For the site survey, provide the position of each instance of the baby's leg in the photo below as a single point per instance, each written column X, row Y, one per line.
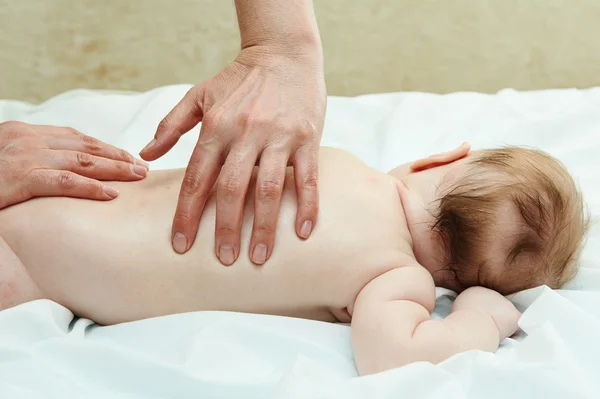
column 16, row 285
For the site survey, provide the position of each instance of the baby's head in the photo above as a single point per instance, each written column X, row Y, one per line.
column 507, row 219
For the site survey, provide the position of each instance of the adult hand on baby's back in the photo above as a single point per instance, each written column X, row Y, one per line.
column 43, row 161
column 267, row 108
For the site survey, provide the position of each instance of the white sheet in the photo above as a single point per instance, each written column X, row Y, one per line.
column 44, row 353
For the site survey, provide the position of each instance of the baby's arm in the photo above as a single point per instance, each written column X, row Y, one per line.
column 392, row 326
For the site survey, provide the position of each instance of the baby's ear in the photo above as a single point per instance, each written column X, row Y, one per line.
column 440, row 159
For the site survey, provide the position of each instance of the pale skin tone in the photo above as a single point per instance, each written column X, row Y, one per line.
column 43, row 161
column 266, row 108
column 361, row 264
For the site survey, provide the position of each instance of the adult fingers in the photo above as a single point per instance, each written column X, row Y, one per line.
column 231, row 193
column 180, row 120
column 89, row 145
column 62, row 183
column 269, row 188
column 200, row 176
column 305, row 162
column 92, row 166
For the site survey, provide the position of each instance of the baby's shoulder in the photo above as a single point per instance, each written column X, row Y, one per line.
column 338, row 163
column 329, row 154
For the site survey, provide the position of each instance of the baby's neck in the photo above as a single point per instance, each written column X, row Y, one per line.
column 418, row 193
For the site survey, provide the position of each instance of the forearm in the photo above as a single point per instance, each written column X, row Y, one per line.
column 392, row 334
column 288, row 24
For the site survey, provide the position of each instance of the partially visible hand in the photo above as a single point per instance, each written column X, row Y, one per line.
column 489, row 302
column 266, row 108
column 43, row 161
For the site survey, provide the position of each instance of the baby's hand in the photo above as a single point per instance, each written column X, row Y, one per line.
column 483, row 300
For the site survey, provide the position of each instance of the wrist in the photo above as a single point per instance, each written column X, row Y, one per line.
column 484, row 318
column 296, row 44
column 273, row 54
column 284, row 26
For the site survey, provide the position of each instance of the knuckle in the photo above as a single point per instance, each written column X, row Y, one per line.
column 310, row 181
column 14, row 149
column 94, row 187
column 250, row 120
column 269, row 190
column 262, row 228
column 284, row 126
column 12, row 135
column 245, row 119
column 73, row 131
column 237, row 156
column 225, row 230
column 85, row 160
column 90, row 143
column 182, row 219
column 211, row 120
column 36, row 179
column 305, row 130
column 166, row 129
column 66, row 180
column 13, row 129
column 12, row 125
column 278, row 149
column 194, row 94
column 121, row 168
column 164, row 125
column 192, row 183
column 229, row 189
column 124, row 155
column 208, row 144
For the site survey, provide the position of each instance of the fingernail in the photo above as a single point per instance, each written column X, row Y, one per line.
column 142, row 163
column 226, row 255
column 306, row 228
column 259, row 255
column 149, row 145
column 139, row 170
column 111, row 192
column 179, row 243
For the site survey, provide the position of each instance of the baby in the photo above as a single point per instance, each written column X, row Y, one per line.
column 505, row 219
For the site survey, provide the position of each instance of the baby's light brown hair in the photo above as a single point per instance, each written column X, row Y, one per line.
column 550, row 233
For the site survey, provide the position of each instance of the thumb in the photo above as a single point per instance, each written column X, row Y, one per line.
column 182, row 118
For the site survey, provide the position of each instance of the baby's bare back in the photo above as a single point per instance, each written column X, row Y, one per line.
column 113, row 262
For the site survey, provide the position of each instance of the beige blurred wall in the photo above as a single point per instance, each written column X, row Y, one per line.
column 49, row 46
